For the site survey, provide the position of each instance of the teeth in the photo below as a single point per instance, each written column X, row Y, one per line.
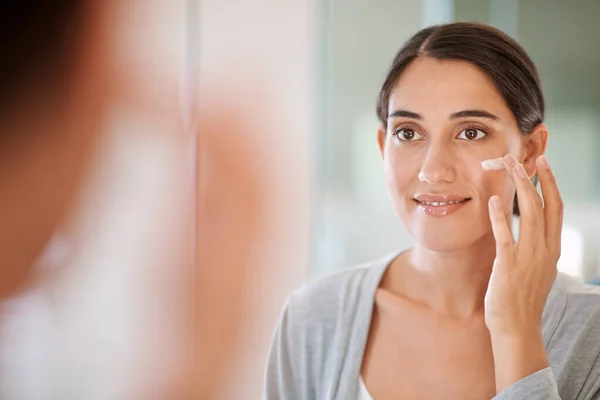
column 440, row 203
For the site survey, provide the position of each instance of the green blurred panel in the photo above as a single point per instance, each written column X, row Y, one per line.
column 470, row 10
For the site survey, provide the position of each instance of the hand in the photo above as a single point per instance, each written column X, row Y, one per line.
column 523, row 273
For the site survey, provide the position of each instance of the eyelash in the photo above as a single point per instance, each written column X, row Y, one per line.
column 399, row 129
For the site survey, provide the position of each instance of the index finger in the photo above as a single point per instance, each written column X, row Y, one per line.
column 502, row 233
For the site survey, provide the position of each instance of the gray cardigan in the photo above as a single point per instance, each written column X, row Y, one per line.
column 318, row 346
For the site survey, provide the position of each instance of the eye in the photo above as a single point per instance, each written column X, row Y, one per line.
column 472, row 134
column 407, row 135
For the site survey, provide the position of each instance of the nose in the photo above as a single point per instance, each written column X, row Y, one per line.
column 438, row 166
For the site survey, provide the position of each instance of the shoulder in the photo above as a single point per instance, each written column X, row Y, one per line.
column 326, row 299
column 342, row 289
column 581, row 300
column 574, row 305
column 577, row 314
column 339, row 301
column 573, row 346
column 316, row 326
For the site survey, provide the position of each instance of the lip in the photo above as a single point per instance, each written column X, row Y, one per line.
column 440, row 210
column 431, row 197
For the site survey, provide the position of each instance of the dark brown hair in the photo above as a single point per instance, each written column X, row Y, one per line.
column 495, row 53
column 36, row 38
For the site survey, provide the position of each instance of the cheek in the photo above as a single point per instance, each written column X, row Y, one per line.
column 401, row 169
column 496, row 183
column 476, row 153
column 488, row 183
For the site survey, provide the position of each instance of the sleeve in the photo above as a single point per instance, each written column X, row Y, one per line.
column 540, row 385
column 283, row 379
column 593, row 393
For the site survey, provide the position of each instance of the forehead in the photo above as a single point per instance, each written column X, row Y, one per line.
column 441, row 87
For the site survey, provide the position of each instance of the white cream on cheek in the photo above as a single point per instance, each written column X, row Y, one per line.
column 498, row 183
column 493, row 164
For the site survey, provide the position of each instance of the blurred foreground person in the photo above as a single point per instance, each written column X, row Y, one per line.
column 57, row 82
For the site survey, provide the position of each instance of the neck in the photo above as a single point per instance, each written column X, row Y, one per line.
column 453, row 283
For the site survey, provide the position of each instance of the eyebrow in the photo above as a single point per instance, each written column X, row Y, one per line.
column 406, row 114
column 456, row 115
column 474, row 113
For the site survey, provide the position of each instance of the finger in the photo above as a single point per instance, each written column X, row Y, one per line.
column 502, row 233
column 553, row 205
column 531, row 227
column 531, row 221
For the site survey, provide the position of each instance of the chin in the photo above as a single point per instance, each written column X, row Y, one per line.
column 446, row 236
column 443, row 244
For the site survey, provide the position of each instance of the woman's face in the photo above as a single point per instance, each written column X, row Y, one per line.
column 445, row 118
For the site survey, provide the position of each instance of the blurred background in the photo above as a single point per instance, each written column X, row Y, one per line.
column 354, row 221
column 105, row 323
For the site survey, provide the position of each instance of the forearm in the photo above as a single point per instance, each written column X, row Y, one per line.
column 517, row 356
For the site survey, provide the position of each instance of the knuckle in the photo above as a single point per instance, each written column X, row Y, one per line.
column 531, row 223
column 498, row 218
column 505, row 243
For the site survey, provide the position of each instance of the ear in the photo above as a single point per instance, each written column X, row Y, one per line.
column 381, row 133
column 535, row 146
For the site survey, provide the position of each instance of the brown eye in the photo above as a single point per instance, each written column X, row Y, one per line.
column 407, row 135
column 472, row 134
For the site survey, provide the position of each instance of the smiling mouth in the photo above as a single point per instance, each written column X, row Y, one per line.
column 441, row 203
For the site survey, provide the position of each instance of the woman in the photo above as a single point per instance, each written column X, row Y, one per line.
column 468, row 313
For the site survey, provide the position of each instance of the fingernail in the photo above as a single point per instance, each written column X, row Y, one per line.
column 543, row 162
column 510, row 160
column 495, row 200
column 521, row 171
